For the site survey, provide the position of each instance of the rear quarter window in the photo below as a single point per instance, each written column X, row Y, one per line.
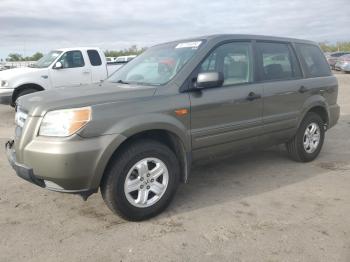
column 313, row 61
column 94, row 58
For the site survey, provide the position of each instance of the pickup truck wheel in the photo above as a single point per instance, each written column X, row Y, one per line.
column 23, row 92
column 141, row 181
column 306, row 145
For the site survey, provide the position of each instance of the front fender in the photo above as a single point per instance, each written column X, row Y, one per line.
column 23, row 82
column 40, row 78
column 126, row 128
column 153, row 121
column 128, row 118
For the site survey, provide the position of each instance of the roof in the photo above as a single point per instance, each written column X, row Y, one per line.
column 223, row 37
column 76, row 48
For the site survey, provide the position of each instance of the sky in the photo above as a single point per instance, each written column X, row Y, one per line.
column 42, row 25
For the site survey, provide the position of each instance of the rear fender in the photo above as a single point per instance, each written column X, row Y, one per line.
column 312, row 102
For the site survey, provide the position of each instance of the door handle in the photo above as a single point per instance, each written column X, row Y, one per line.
column 86, row 72
column 252, row 96
column 303, row 89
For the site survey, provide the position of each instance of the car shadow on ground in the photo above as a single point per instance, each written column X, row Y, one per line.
column 240, row 176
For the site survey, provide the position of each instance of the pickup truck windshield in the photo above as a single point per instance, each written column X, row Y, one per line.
column 47, row 59
column 157, row 65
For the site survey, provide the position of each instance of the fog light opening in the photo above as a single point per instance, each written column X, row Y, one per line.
column 52, row 185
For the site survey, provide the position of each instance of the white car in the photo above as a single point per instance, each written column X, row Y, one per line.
column 111, row 59
column 66, row 67
column 125, row 59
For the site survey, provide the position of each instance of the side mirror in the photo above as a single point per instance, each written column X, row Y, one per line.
column 209, row 80
column 58, row 65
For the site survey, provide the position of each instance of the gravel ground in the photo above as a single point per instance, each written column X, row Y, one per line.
column 259, row 206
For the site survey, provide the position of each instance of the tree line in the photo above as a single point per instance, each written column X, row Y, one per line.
column 15, row 57
column 133, row 50
column 339, row 46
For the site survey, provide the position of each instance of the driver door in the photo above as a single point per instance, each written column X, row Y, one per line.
column 229, row 115
column 75, row 72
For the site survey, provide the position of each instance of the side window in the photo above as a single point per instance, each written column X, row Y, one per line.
column 234, row 60
column 277, row 62
column 94, row 58
column 72, row 59
column 313, row 60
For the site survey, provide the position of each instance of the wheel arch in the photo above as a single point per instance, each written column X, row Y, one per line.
column 22, row 87
column 317, row 105
column 169, row 138
column 322, row 112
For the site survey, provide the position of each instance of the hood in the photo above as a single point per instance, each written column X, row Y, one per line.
column 37, row 104
column 15, row 72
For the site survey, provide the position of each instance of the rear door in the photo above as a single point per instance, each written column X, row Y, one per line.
column 233, row 112
column 281, row 79
column 75, row 71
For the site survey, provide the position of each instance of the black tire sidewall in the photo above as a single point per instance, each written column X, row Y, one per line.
column 310, row 118
column 23, row 92
column 119, row 171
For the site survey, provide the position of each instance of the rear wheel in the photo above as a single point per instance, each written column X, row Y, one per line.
column 306, row 145
column 141, row 181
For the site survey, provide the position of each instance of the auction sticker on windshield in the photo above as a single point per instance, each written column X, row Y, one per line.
column 193, row 45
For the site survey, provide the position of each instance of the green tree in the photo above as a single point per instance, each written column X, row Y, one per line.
column 133, row 50
column 36, row 56
column 14, row 57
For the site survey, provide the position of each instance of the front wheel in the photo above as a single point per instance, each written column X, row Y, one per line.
column 306, row 145
column 141, row 182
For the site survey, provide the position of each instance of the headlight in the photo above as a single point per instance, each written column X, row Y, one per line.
column 4, row 83
column 66, row 122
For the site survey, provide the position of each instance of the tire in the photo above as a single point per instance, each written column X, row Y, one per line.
column 295, row 147
column 23, row 92
column 122, row 168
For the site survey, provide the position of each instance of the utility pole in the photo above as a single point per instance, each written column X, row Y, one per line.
column 24, row 49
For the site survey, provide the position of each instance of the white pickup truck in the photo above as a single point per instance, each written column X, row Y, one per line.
column 62, row 67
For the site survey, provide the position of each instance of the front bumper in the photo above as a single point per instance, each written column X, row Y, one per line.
column 75, row 165
column 21, row 170
column 6, row 96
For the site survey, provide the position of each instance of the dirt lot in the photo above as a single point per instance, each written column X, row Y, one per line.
column 260, row 206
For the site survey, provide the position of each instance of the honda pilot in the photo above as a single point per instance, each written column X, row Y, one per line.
column 135, row 135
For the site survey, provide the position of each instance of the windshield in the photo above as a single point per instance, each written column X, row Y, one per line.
column 157, row 65
column 47, row 59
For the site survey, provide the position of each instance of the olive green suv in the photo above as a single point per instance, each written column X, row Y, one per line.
column 135, row 135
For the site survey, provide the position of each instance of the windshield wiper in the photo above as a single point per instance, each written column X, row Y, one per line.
column 122, row 82
column 144, row 84
column 136, row 83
